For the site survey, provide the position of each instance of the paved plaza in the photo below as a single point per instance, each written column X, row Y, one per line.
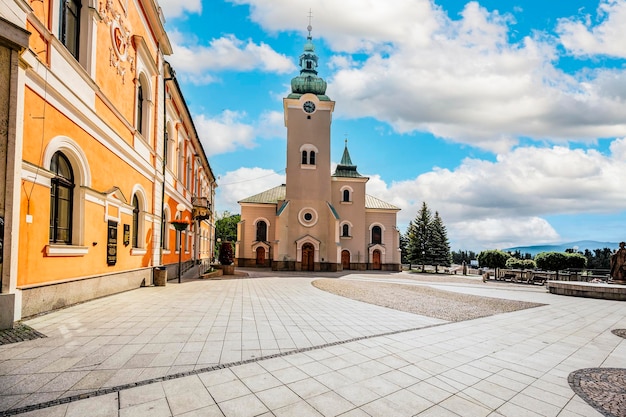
column 276, row 346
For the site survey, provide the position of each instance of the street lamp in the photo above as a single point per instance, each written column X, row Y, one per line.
column 180, row 225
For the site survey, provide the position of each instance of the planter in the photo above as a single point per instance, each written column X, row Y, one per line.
column 160, row 276
column 228, row 269
column 214, row 274
column 180, row 226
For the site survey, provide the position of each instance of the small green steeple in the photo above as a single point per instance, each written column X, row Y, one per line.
column 345, row 168
column 308, row 80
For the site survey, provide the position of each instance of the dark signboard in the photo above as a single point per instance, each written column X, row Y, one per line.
column 126, row 234
column 112, row 243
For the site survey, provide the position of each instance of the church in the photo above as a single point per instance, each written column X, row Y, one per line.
column 316, row 221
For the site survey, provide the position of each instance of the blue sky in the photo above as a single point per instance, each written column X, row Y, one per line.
column 506, row 117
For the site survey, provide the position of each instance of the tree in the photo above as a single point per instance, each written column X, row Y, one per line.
column 439, row 246
column 404, row 243
column 516, row 263
column 551, row 261
column 226, row 253
column 459, row 257
column 418, row 236
column 576, row 261
column 226, row 226
column 493, row 258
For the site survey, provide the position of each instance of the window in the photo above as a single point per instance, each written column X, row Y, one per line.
column 135, row 231
column 70, row 26
column 261, row 231
column 345, row 230
column 308, row 154
column 140, row 99
column 376, row 235
column 346, row 195
column 61, row 199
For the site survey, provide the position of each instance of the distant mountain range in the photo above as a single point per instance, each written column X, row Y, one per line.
column 581, row 245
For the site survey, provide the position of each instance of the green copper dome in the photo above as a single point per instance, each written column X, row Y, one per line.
column 308, row 81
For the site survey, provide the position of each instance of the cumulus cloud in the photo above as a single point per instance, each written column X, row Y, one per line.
column 604, row 35
column 177, row 8
column 228, row 132
column 461, row 78
column 242, row 183
column 503, row 203
column 199, row 63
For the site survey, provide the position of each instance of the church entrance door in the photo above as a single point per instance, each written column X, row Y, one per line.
column 376, row 259
column 308, row 260
column 345, row 259
column 260, row 256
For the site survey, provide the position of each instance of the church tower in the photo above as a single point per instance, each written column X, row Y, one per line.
column 310, row 217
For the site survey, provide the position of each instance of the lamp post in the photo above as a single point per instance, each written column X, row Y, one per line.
column 180, row 226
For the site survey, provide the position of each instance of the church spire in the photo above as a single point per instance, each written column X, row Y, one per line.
column 308, row 80
column 345, row 168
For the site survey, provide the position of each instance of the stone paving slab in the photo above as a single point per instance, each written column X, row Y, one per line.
column 179, row 329
column 513, row 364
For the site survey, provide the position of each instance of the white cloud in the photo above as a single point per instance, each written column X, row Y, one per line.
column 177, row 8
column 228, row 132
column 460, row 78
column 200, row 62
column 605, row 35
column 225, row 133
column 242, row 183
column 504, row 203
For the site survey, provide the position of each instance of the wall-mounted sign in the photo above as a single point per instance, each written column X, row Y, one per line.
column 126, row 234
column 112, row 243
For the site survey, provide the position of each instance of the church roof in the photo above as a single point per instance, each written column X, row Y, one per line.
column 276, row 194
column 376, row 203
column 271, row 196
column 346, row 168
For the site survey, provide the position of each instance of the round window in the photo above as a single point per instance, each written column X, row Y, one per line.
column 307, row 217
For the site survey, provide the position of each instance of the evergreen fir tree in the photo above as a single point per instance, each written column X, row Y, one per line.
column 418, row 235
column 439, row 244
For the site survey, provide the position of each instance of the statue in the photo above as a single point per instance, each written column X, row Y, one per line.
column 618, row 261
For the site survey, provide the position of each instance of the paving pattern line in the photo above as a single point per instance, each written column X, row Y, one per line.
column 118, row 388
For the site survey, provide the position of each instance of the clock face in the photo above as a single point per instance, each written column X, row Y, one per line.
column 308, row 106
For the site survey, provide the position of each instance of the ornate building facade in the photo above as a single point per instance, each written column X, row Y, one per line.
column 316, row 221
column 102, row 154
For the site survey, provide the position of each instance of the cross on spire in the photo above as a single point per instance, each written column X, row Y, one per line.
column 310, row 28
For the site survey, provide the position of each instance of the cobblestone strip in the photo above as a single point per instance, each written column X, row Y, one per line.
column 19, row 333
column 105, row 391
column 602, row 388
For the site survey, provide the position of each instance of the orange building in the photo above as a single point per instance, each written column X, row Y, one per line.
column 104, row 154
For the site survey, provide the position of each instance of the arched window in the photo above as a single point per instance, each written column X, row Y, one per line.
column 304, row 158
column 346, row 195
column 140, row 99
column 135, row 231
column 261, row 231
column 70, row 26
column 312, row 157
column 345, row 230
column 61, row 199
column 376, row 235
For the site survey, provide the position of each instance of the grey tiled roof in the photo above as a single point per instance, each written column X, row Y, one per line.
column 276, row 194
column 375, row 203
column 271, row 196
